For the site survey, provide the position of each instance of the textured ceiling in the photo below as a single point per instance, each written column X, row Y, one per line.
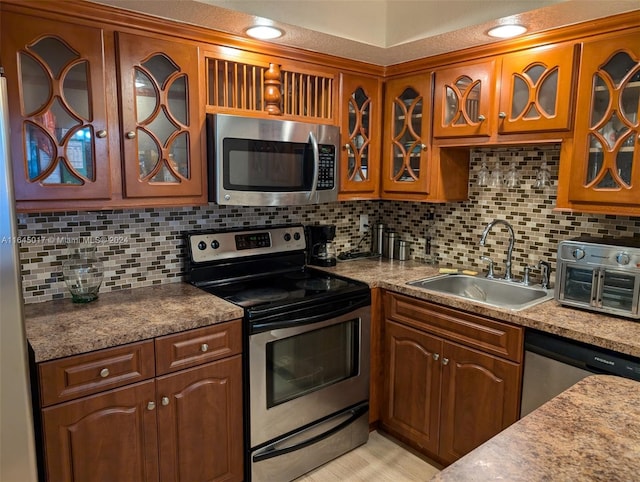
column 382, row 32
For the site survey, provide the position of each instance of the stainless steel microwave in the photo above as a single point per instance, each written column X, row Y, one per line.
column 271, row 162
column 600, row 274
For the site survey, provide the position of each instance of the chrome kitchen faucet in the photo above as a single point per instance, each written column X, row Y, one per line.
column 507, row 276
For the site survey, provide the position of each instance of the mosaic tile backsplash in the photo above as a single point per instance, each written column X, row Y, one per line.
column 144, row 247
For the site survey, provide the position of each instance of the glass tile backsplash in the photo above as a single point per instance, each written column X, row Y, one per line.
column 144, row 247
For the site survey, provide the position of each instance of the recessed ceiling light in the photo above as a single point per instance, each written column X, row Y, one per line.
column 264, row 32
column 507, row 31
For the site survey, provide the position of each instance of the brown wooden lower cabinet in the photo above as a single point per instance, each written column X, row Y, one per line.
column 442, row 397
column 184, row 426
column 200, row 424
column 106, row 437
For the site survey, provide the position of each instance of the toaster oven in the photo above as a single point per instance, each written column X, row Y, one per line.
column 600, row 274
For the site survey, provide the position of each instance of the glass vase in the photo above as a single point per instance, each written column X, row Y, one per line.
column 83, row 273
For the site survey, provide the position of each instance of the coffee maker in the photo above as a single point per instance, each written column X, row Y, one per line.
column 321, row 250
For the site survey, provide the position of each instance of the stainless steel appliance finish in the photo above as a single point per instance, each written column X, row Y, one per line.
column 306, row 346
column 332, row 374
column 17, row 445
column 600, row 274
column 271, row 162
column 553, row 364
column 328, row 439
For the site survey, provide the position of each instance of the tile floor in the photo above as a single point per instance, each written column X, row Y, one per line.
column 381, row 459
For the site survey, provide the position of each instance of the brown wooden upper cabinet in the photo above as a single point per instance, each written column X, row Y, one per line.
column 407, row 131
column 161, row 118
column 603, row 174
column 361, row 124
column 522, row 92
column 57, row 102
column 64, row 98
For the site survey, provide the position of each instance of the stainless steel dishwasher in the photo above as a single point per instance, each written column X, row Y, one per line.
column 552, row 364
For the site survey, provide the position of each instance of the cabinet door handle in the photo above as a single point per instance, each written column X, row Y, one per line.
column 502, row 115
column 436, row 356
column 104, row 373
column 164, row 401
column 130, row 135
column 445, row 361
column 482, row 118
column 204, row 347
column 151, row 405
column 101, row 134
column 347, row 147
column 423, row 146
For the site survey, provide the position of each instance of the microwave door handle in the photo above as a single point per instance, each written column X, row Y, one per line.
column 316, row 165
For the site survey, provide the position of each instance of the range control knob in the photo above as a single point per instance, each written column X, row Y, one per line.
column 623, row 258
column 287, row 237
column 215, row 244
column 578, row 253
column 202, row 245
column 296, row 236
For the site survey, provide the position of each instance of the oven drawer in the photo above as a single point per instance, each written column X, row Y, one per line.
column 195, row 347
column 80, row 375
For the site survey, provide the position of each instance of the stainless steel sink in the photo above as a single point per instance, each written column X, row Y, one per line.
column 492, row 292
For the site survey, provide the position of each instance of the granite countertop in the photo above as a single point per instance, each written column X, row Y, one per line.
column 589, row 432
column 615, row 333
column 61, row 328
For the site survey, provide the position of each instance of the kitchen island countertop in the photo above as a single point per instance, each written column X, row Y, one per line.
column 589, row 432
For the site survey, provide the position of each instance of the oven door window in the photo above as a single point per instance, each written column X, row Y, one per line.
column 255, row 165
column 310, row 361
column 618, row 290
column 578, row 284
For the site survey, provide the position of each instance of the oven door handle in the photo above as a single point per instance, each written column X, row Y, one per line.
column 291, row 444
column 291, row 320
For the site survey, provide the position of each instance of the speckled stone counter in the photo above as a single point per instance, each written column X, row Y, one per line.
column 589, row 432
column 61, row 328
column 610, row 332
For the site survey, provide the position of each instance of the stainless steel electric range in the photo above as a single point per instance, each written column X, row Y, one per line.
column 306, row 346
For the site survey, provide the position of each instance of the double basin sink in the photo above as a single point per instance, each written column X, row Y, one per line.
column 492, row 292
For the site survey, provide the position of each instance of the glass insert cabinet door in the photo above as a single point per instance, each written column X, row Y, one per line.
column 361, row 121
column 607, row 134
column 537, row 89
column 160, row 117
column 463, row 99
column 56, row 87
column 407, row 135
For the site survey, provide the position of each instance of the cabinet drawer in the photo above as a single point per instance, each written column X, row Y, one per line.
column 490, row 336
column 81, row 375
column 194, row 347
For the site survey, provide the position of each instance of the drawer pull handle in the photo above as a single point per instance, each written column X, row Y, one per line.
column 436, row 356
column 204, row 347
column 164, row 401
column 445, row 361
column 104, row 373
column 151, row 405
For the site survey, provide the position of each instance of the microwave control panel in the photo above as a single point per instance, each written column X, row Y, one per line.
column 327, row 166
